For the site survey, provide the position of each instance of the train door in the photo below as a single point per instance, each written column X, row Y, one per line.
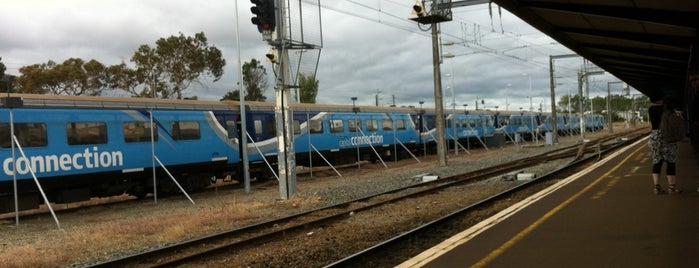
column 231, row 121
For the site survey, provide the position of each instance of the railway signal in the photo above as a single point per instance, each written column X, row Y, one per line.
column 264, row 15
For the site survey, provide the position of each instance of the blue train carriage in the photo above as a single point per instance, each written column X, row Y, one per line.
column 82, row 147
column 469, row 125
column 547, row 124
column 344, row 133
column 461, row 125
column 574, row 124
column 329, row 132
column 595, row 122
column 502, row 119
column 524, row 124
column 425, row 123
column 566, row 127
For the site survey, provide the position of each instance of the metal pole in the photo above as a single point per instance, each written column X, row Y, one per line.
column 152, row 146
column 554, row 120
column 356, row 130
column 609, row 111
column 420, row 126
column 14, row 164
column 243, row 123
column 553, row 93
column 282, row 112
column 453, row 107
column 531, row 111
column 582, row 107
column 438, row 106
column 581, row 76
column 609, row 105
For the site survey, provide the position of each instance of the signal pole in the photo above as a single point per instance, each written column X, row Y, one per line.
column 290, row 35
column 286, row 157
column 269, row 14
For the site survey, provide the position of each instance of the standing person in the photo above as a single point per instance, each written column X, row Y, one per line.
column 660, row 150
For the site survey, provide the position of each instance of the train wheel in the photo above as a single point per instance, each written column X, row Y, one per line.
column 138, row 191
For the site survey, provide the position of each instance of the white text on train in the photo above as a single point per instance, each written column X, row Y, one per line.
column 89, row 159
column 362, row 140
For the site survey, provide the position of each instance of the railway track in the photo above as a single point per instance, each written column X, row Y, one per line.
column 203, row 249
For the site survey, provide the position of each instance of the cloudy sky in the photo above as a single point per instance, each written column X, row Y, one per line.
column 369, row 48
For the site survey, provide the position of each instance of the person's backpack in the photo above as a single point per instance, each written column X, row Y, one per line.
column 672, row 126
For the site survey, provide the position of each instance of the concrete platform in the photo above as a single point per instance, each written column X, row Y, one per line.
column 605, row 216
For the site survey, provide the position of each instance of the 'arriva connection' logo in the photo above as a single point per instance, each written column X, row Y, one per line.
column 88, row 159
column 362, row 140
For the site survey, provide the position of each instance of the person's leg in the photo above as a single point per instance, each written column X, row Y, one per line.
column 671, row 180
column 656, row 177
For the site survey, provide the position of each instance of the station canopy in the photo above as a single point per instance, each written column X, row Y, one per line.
column 649, row 44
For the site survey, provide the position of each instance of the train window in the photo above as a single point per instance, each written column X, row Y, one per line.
column 185, row 130
column 353, row 125
column 387, row 124
column 429, row 123
column 315, row 126
column 28, row 134
column 472, row 123
column 336, row 126
column 231, row 129
column 258, row 127
column 138, row 131
column 372, row 125
column 271, row 127
column 297, row 127
column 400, row 124
column 464, row 122
column 86, row 133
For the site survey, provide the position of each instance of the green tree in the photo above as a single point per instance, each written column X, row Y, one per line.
column 254, row 81
column 175, row 63
column 5, row 84
column 232, row 95
column 72, row 77
column 122, row 77
column 308, row 86
column 573, row 100
column 35, row 78
column 2, row 68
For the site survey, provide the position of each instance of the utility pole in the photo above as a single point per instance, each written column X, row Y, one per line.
column 439, row 11
column 553, row 93
column 376, row 97
column 581, row 78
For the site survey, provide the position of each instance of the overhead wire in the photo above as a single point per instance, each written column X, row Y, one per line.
column 477, row 46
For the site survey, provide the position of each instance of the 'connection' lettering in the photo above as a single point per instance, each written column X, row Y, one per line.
column 362, row 140
column 88, row 159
